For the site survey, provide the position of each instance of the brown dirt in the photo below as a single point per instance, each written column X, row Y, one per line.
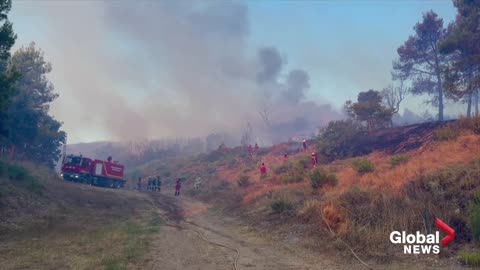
column 180, row 247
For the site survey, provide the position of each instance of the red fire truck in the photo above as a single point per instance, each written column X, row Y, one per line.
column 93, row 171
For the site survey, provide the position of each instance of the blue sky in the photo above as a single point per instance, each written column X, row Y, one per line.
column 345, row 46
column 312, row 32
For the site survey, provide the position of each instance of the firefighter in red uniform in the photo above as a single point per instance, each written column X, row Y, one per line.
column 314, row 160
column 263, row 170
column 256, row 148
column 285, row 157
column 178, row 186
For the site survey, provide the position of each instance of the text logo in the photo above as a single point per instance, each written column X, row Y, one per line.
column 420, row 243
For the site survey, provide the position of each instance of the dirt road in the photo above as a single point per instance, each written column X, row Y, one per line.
column 181, row 247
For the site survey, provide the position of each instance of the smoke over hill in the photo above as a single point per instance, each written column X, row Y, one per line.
column 181, row 69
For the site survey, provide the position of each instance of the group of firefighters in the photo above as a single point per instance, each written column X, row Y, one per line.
column 253, row 151
column 154, row 183
column 263, row 167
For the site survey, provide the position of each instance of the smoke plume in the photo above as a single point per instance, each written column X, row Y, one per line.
column 156, row 69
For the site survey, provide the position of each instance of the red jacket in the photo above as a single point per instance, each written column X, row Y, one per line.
column 314, row 159
column 263, row 169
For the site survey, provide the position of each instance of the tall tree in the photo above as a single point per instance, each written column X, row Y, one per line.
column 421, row 62
column 370, row 110
column 7, row 40
column 463, row 45
column 393, row 95
column 32, row 130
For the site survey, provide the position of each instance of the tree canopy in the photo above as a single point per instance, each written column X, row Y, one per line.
column 35, row 134
column 421, row 62
column 462, row 44
column 369, row 109
column 7, row 40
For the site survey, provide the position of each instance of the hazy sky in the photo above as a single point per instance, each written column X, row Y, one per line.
column 148, row 69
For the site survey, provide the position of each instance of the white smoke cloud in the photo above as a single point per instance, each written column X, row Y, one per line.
column 155, row 69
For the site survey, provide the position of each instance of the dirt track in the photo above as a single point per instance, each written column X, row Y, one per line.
column 182, row 248
column 178, row 246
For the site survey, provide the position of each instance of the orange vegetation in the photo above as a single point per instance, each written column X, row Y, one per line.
column 430, row 157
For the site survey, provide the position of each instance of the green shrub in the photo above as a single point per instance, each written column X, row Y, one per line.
column 321, row 177
column 291, row 178
column 281, row 206
column 446, row 133
column 243, row 181
column 472, row 124
column 363, row 166
column 282, row 169
column 398, row 159
column 295, row 172
column 474, row 217
column 471, row 258
column 17, row 173
column 304, row 162
column 343, row 139
column 20, row 175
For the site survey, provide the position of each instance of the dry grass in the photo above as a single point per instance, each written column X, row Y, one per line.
column 85, row 246
column 426, row 159
column 363, row 208
column 72, row 226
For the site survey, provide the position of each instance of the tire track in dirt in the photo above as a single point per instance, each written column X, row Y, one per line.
column 255, row 251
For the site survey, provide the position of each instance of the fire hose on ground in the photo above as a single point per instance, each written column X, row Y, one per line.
column 202, row 237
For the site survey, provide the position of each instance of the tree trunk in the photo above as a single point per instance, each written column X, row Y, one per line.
column 469, row 105
column 440, row 96
column 476, row 101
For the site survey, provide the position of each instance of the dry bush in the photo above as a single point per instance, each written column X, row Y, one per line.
column 290, row 172
column 446, row 133
column 243, row 181
column 311, row 212
column 427, row 159
column 472, row 124
column 325, row 216
column 373, row 214
column 334, row 219
column 320, row 178
column 399, row 159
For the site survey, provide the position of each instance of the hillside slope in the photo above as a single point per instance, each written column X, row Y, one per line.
column 413, row 174
column 47, row 223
